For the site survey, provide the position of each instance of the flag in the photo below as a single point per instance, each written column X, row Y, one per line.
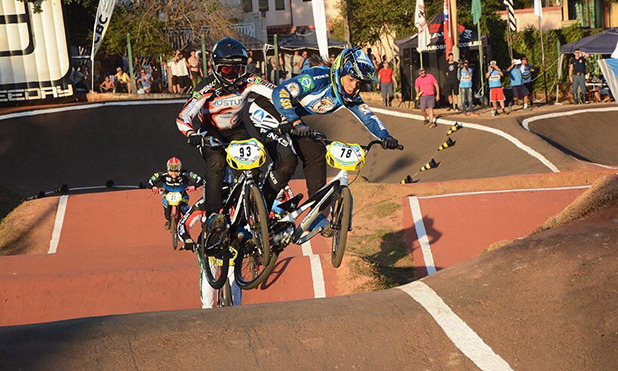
column 476, row 11
column 104, row 15
column 421, row 24
column 448, row 34
column 609, row 68
column 538, row 8
column 511, row 13
column 319, row 18
column 615, row 53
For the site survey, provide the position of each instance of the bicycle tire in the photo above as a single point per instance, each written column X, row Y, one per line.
column 341, row 220
column 215, row 275
column 174, row 231
column 224, row 298
column 250, row 271
column 258, row 221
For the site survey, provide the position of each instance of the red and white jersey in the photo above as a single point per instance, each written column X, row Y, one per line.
column 216, row 106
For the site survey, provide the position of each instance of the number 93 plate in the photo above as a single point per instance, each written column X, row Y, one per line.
column 245, row 154
column 345, row 156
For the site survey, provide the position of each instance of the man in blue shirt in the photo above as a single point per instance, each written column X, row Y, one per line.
column 464, row 74
column 577, row 75
column 526, row 73
column 517, row 84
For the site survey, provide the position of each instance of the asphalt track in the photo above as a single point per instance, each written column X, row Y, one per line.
column 113, row 258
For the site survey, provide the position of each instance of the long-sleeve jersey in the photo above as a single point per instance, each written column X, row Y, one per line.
column 179, row 184
column 311, row 93
column 216, row 106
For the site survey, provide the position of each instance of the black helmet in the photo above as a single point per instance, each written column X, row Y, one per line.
column 229, row 61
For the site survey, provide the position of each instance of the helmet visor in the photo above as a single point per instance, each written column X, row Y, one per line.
column 231, row 72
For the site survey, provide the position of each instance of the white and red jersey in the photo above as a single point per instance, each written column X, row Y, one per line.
column 216, row 106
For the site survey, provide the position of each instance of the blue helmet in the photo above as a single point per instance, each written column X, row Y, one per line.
column 355, row 63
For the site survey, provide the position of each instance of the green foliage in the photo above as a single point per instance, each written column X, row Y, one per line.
column 372, row 18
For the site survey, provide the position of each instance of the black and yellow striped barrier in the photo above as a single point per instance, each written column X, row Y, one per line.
column 454, row 128
column 430, row 165
column 449, row 143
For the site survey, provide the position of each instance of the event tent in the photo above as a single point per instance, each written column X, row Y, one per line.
column 601, row 43
column 306, row 39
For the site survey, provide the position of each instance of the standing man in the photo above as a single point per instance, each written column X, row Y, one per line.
column 577, row 75
column 452, row 84
column 517, row 84
column 297, row 63
column 428, row 87
column 464, row 74
column 386, row 76
column 496, row 94
column 306, row 63
column 526, row 74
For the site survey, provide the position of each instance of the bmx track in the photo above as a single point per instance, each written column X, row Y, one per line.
column 100, row 287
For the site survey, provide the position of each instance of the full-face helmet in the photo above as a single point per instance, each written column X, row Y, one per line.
column 174, row 164
column 354, row 63
column 229, row 61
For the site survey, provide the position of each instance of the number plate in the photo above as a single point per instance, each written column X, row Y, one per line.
column 173, row 198
column 246, row 154
column 345, row 156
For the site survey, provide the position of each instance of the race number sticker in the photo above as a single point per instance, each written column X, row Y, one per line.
column 246, row 154
column 345, row 156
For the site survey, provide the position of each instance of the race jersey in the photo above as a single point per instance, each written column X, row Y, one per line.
column 516, row 78
column 494, row 79
column 311, row 93
column 214, row 105
column 526, row 74
column 465, row 78
column 179, row 184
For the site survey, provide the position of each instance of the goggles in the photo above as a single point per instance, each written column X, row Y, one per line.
column 231, row 71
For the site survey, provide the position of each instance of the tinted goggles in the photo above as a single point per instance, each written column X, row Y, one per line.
column 231, row 71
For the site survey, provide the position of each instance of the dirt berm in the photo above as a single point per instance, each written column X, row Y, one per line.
column 546, row 302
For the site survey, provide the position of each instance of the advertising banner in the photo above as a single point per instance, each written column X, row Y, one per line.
column 104, row 15
column 34, row 58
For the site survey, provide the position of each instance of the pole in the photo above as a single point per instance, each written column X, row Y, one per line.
column 558, row 74
column 454, row 29
column 131, row 74
column 420, row 55
column 481, row 61
column 508, row 31
column 204, row 61
column 543, row 61
column 92, row 75
column 276, row 60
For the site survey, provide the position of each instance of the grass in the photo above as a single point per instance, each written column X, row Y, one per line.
column 386, row 209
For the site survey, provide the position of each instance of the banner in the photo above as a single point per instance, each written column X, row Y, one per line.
column 511, row 13
column 538, row 8
column 448, row 29
column 101, row 22
column 421, row 24
column 319, row 19
column 34, row 57
column 476, row 12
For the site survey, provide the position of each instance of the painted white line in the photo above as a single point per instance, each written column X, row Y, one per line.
column 317, row 275
column 526, row 122
column 504, row 191
column 88, row 106
column 62, row 207
column 456, row 329
column 506, row 136
column 421, row 233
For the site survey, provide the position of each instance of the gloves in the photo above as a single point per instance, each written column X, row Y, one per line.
column 155, row 190
column 389, row 143
column 194, row 139
column 302, row 130
column 286, row 127
column 191, row 188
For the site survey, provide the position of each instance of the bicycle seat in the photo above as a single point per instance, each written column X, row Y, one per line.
column 291, row 203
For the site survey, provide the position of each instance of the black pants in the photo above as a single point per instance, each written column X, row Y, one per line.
column 312, row 153
column 214, row 158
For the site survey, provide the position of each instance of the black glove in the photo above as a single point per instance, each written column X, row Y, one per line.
column 194, row 139
column 285, row 127
column 302, row 130
column 389, row 143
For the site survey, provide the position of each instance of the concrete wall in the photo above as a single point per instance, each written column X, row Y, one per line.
column 552, row 18
column 301, row 14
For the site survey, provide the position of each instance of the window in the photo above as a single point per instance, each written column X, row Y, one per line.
column 263, row 4
column 279, row 4
column 247, row 6
column 304, row 1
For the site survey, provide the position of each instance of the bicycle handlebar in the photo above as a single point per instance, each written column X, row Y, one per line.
column 318, row 135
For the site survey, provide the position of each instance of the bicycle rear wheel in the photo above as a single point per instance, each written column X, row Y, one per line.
column 215, row 267
column 341, row 224
column 224, row 295
column 250, row 269
column 257, row 220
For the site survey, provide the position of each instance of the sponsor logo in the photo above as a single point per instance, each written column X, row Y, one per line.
column 319, row 77
column 364, row 108
column 285, row 103
column 228, row 102
column 293, row 88
column 283, row 94
column 17, row 95
column 323, row 105
column 307, row 82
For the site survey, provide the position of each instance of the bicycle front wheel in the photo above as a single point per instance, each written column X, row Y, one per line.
column 224, row 297
column 250, row 269
column 174, row 231
column 257, row 221
column 215, row 267
column 341, row 224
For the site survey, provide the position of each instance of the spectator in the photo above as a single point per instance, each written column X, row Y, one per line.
column 179, row 72
column 107, row 86
column 464, row 74
column 285, row 65
column 452, row 84
column 251, row 65
column 157, row 76
column 427, row 86
column 494, row 75
column 306, row 63
column 517, row 84
column 296, row 63
column 526, row 74
column 144, row 82
column 387, row 81
column 577, row 75
column 332, row 59
column 195, row 71
column 123, row 81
